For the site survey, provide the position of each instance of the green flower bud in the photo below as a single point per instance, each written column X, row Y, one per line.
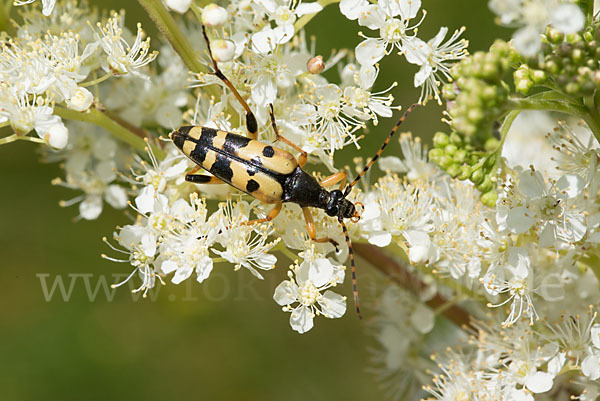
column 490, row 198
column 491, row 144
column 539, row 76
column 486, row 185
column 523, row 86
column 435, row 155
column 554, row 35
column 440, row 139
column 577, row 56
column 445, row 161
column 465, row 173
column 454, row 170
column 477, row 176
column 450, row 149
column 448, row 92
column 572, row 88
column 490, row 161
column 460, row 156
column 455, row 139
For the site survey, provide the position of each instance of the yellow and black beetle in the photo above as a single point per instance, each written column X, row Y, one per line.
column 269, row 174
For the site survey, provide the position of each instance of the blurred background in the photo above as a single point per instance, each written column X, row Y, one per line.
column 223, row 340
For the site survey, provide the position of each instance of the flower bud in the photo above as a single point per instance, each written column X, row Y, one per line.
column 477, row 176
column 81, row 100
column 489, row 198
column 214, row 15
column 440, row 139
column 315, row 65
column 180, row 6
column 223, row 50
column 57, row 136
column 454, row 170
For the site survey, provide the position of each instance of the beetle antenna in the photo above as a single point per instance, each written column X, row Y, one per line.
column 387, row 140
column 353, row 266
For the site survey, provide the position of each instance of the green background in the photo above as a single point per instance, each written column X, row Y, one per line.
column 232, row 341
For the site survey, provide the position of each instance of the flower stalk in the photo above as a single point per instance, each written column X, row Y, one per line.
column 101, row 119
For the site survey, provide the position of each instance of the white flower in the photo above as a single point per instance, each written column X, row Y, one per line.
column 180, row 6
column 81, row 100
column 222, row 50
column 514, row 278
column 551, row 208
column 400, row 210
column 284, row 14
column 362, row 103
column 188, row 250
column 123, row 58
column 415, row 162
column 303, row 295
column 533, row 16
column 435, row 59
column 390, row 17
column 214, row 15
column 141, row 246
column 245, row 245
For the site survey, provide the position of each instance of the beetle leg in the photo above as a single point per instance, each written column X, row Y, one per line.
column 200, row 178
column 303, row 155
column 310, row 226
column 203, row 179
column 270, row 216
column 334, row 178
column 251, row 123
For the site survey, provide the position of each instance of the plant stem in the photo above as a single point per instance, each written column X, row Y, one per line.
column 305, row 19
column 96, row 117
column 589, row 113
column 401, row 276
column 9, row 139
column 593, row 116
column 169, row 28
column 97, row 80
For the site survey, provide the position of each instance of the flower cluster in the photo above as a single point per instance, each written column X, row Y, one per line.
column 502, row 212
column 394, row 21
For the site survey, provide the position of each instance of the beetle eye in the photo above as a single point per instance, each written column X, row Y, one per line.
column 332, row 211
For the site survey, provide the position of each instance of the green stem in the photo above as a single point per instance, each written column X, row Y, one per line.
column 593, row 117
column 96, row 117
column 169, row 28
column 305, row 19
column 404, row 278
column 9, row 139
column 506, row 124
column 97, row 80
column 589, row 113
column 15, row 137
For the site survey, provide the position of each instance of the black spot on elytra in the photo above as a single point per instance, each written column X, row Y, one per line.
column 221, row 168
column 252, row 186
column 251, row 171
column 268, row 151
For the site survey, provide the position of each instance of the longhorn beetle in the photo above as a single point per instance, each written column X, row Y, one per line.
column 269, row 174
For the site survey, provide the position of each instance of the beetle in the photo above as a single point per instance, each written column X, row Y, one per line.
column 268, row 173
